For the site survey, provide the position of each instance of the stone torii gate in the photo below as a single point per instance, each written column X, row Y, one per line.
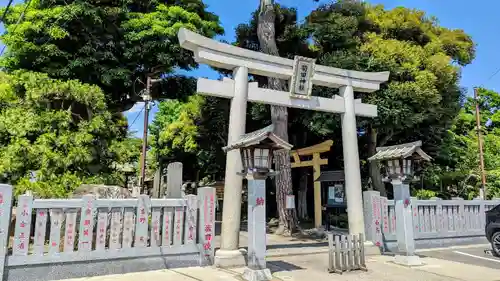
column 303, row 74
column 316, row 163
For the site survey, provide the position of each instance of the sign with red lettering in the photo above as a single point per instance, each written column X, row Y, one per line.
column 207, row 220
column 86, row 224
column 191, row 212
column 21, row 239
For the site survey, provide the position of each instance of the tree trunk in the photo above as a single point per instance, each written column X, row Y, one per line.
column 279, row 117
column 374, row 168
column 302, row 207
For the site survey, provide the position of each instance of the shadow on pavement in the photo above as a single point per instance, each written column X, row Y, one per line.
column 298, row 245
column 279, row 266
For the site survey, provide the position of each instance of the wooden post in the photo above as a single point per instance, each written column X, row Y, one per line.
column 317, row 191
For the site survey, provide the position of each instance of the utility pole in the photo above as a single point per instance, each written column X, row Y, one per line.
column 147, row 98
column 482, row 190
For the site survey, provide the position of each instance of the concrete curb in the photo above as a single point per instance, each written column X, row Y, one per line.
column 276, row 253
column 452, row 248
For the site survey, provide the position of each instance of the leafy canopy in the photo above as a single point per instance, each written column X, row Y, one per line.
column 460, row 150
column 61, row 130
column 110, row 44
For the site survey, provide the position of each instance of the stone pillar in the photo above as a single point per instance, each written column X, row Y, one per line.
column 157, row 185
column 229, row 255
column 174, row 180
column 351, row 163
column 404, row 224
column 373, row 217
column 256, row 269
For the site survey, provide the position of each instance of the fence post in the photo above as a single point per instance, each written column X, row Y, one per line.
column 385, row 215
column 206, row 199
column 415, row 216
column 5, row 213
column 482, row 213
column 373, row 217
column 461, row 216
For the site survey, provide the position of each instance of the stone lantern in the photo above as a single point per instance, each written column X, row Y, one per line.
column 400, row 161
column 257, row 150
column 398, row 166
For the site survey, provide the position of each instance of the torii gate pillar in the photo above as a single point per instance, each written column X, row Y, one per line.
column 302, row 73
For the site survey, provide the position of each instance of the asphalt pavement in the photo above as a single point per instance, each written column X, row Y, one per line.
column 474, row 255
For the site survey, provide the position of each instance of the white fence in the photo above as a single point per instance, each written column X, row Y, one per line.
column 57, row 239
column 346, row 253
column 432, row 219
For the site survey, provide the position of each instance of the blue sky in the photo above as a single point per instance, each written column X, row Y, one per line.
column 478, row 20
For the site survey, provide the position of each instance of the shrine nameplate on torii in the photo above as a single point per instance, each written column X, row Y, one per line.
column 303, row 74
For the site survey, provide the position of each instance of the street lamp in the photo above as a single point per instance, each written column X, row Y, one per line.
column 257, row 150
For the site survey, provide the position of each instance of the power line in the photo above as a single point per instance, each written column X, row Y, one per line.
column 492, row 75
column 6, row 10
column 137, row 116
column 18, row 20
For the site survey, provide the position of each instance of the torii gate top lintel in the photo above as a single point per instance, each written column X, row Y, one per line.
column 226, row 56
column 320, row 148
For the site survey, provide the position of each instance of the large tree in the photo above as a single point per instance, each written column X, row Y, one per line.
column 422, row 96
column 266, row 33
column 61, row 130
column 111, row 44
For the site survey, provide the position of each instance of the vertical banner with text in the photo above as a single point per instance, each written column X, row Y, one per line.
column 206, row 199
column 257, row 224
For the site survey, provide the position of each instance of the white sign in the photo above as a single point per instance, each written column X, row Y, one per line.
column 290, row 201
column 303, row 71
column 336, row 193
column 331, row 192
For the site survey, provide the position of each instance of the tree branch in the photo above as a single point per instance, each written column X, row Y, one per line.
column 386, row 138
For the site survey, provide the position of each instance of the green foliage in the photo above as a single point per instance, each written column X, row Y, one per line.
column 191, row 131
column 62, row 130
column 422, row 96
column 110, row 44
column 424, row 194
column 175, row 125
column 460, row 150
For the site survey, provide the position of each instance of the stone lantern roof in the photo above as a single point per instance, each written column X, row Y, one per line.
column 404, row 150
column 257, row 137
